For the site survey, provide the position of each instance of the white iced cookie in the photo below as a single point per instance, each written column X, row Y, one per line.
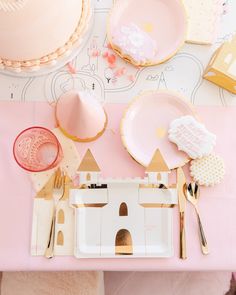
column 191, row 137
column 208, row 171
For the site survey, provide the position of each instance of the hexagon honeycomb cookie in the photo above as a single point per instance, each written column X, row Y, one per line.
column 208, row 170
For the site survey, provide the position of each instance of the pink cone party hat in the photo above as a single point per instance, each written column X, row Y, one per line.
column 80, row 116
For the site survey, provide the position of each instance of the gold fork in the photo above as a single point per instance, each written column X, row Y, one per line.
column 58, row 193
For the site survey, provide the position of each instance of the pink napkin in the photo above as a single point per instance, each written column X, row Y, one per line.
column 217, row 204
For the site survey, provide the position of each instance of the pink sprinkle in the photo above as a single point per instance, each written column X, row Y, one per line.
column 119, row 72
column 109, row 45
column 71, row 68
column 124, row 71
column 105, row 54
column 112, row 66
column 96, row 53
column 111, row 59
column 131, row 78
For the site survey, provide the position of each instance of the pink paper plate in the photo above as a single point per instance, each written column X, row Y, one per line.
column 144, row 127
column 162, row 21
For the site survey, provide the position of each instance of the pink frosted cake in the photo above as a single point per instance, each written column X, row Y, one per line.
column 35, row 33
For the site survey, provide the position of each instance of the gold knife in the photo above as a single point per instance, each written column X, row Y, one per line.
column 181, row 180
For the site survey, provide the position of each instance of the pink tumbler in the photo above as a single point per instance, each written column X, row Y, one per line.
column 37, row 149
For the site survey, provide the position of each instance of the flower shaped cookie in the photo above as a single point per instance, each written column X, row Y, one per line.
column 191, row 137
column 136, row 43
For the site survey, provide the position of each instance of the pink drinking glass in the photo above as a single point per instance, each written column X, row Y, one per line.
column 37, row 149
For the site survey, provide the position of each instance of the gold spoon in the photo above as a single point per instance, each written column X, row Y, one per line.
column 192, row 193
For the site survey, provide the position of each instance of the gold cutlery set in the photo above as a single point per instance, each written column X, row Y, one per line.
column 190, row 192
column 58, row 194
column 182, row 207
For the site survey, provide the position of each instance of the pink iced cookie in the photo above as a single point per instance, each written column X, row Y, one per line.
column 191, row 137
column 136, row 43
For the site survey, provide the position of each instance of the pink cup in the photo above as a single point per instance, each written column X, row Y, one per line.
column 37, row 149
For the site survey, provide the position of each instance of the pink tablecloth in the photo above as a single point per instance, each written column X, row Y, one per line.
column 217, row 205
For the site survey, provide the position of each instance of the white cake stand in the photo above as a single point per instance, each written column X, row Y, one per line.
column 61, row 62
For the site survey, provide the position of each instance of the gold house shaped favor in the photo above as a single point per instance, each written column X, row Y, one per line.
column 222, row 67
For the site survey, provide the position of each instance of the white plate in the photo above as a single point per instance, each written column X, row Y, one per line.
column 110, row 219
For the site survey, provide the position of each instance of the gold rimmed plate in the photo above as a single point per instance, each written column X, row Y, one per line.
column 147, row 32
column 145, row 124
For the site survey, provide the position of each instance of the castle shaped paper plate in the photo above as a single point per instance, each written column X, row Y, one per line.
column 120, row 218
column 147, row 32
